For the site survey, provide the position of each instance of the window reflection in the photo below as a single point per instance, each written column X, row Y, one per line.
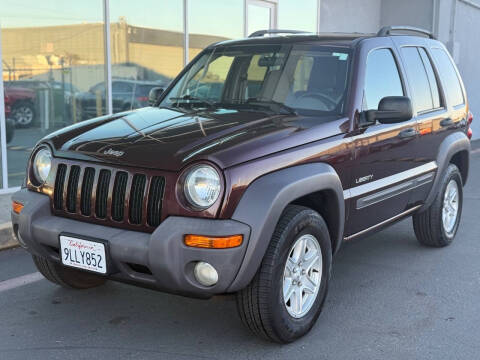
column 212, row 21
column 52, row 52
column 146, row 49
column 291, row 16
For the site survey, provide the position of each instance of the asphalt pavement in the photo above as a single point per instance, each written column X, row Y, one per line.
column 390, row 298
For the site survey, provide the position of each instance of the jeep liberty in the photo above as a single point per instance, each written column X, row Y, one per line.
column 250, row 170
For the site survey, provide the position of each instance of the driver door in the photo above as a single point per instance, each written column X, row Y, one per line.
column 384, row 153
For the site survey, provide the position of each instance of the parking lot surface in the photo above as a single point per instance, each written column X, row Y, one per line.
column 390, row 298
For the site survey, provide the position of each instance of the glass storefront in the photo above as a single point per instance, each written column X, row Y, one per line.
column 293, row 16
column 146, row 49
column 53, row 70
column 211, row 21
column 53, row 55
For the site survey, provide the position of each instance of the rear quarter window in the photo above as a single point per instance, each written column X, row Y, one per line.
column 448, row 76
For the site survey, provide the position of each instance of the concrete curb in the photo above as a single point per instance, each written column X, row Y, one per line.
column 7, row 239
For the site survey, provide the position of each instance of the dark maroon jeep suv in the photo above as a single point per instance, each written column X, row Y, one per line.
column 252, row 168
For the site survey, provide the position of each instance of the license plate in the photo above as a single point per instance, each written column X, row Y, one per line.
column 83, row 254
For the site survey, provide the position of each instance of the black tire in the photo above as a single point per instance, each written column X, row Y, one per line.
column 428, row 224
column 261, row 304
column 10, row 125
column 66, row 277
column 23, row 112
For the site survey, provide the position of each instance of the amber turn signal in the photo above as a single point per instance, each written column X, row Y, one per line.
column 17, row 207
column 211, row 242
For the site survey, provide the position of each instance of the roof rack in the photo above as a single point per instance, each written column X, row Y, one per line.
column 387, row 30
column 275, row 31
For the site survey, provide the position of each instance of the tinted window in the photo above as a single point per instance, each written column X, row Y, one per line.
column 121, row 87
column 381, row 79
column 448, row 75
column 310, row 79
column 418, row 79
column 432, row 79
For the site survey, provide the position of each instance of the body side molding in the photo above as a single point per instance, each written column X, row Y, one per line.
column 265, row 199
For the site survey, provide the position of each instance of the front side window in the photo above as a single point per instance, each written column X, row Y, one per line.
column 295, row 78
column 448, row 75
column 382, row 78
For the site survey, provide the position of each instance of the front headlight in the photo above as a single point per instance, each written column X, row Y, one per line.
column 202, row 186
column 42, row 164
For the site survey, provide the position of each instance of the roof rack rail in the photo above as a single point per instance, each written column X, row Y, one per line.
column 276, row 31
column 387, row 30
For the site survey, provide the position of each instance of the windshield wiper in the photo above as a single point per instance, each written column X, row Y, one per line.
column 194, row 99
column 274, row 105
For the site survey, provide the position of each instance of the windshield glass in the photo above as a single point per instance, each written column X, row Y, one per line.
column 303, row 79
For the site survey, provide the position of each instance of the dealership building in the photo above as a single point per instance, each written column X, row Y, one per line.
column 64, row 62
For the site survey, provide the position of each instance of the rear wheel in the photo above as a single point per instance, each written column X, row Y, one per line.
column 286, row 296
column 438, row 224
column 23, row 113
column 66, row 277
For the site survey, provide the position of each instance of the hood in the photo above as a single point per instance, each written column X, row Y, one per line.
column 169, row 139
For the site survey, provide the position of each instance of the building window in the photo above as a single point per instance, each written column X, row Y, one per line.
column 53, row 56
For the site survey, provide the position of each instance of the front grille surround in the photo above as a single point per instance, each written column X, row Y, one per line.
column 125, row 198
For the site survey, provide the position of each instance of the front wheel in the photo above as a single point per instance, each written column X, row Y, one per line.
column 437, row 225
column 286, row 296
column 66, row 277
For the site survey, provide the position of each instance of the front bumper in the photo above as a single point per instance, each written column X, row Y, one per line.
column 159, row 260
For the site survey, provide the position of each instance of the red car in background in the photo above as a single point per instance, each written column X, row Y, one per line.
column 22, row 105
column 10, row 124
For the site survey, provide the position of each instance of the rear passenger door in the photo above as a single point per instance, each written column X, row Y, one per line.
column 438, row 100
column 430, row 110
column 384, row 153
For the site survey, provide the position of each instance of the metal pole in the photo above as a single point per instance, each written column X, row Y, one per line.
column 185, row 33
column 108, row 56
column 319, row 5
column 3, row 127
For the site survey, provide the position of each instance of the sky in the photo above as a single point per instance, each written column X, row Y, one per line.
column 215, row 17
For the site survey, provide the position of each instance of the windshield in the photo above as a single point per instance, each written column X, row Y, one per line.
column 303, row 79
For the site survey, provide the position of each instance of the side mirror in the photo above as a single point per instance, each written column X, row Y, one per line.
column 154, row 95
column 391, row 110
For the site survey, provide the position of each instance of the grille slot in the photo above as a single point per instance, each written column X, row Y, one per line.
column 86, row 195
column 59, row 184
column 72, row 187
column 106, row 195
column 102, row 194
column 136, row 198
column 154, row 208
column 118, row 196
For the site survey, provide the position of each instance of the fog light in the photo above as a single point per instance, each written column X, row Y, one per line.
column 205, row 274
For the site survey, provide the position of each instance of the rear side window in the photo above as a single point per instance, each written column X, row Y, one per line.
column 421, row 79
column 448, row 75
column 381, row 79
column 432, row 79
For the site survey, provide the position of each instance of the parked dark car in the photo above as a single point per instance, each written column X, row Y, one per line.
column 22, row 102
column 126, row 95
column 254, row 166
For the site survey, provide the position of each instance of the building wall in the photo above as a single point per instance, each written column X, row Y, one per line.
column 467, row 53
column 350, row 15
column 407, row 12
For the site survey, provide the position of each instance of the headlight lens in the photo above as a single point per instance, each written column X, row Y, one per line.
column 42, row 164
column 202, row 186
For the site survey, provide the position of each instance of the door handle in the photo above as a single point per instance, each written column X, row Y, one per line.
column 446, row 122
column 408, row 133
